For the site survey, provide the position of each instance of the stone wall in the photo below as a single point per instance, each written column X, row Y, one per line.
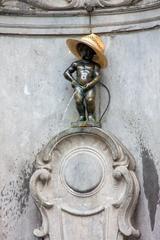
column 36, row 104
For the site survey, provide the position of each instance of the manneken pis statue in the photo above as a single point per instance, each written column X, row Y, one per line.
column 84, row 74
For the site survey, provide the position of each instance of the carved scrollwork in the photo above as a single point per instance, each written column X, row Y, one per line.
column 81, row 173
column 125, row 16
column 124, row 170
column 115, row 3
column 41, row 177
column 101, row 3
column 127, row 202
column 50, row 5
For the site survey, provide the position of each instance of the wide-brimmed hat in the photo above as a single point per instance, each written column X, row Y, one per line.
column 94, row 42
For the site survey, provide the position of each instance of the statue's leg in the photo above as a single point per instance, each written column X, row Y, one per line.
column 90, row 104
column 79, row 99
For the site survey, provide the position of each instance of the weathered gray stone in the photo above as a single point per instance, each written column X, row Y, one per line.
column 81, row 173
column 109, row 16
column 32, row 112
column 133, row 79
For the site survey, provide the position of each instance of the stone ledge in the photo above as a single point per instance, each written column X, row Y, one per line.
column 73, row 24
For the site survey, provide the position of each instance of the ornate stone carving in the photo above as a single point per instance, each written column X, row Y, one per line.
column 104, row 3
column 69, row 17
column 66, row 4
column 85, row 187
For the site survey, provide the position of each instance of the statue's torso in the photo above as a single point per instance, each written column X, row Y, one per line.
column 85, row 72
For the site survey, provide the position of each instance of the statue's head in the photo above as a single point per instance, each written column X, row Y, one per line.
column 85, row 51
column 89, row 47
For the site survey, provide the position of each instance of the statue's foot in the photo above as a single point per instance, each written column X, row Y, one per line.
column 91, row 118
column 82, row 118
column 92, row 121
column 81, row 122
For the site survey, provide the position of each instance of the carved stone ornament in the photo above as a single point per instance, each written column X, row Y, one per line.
column 65, row 4
column 85, row 187
column 69, row 17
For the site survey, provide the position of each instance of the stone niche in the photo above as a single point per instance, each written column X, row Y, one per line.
column 85, row 187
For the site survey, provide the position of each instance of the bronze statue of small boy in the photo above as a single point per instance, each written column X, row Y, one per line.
column 84, row 74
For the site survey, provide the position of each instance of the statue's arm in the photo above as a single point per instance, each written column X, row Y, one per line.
column 96, row 79
column 69, row 71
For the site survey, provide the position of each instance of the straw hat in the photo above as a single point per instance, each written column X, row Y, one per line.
column 94, row 42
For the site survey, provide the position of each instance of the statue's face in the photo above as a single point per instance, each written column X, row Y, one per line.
column 85, row 52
